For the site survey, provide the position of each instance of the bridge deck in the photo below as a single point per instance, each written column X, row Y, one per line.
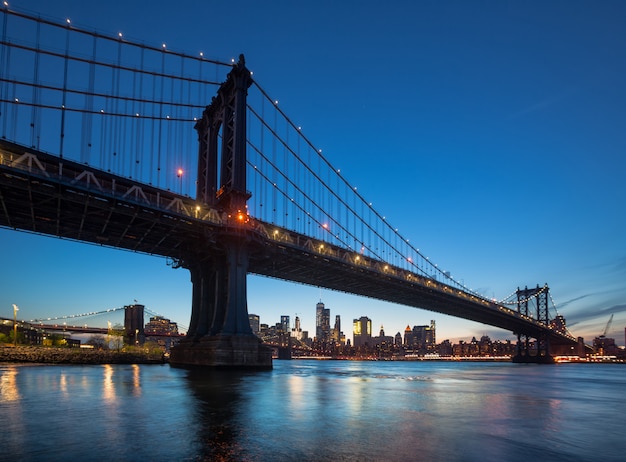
column 48, row 195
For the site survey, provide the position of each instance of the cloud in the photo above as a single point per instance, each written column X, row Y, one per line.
column 582, row 316
column 567, row 302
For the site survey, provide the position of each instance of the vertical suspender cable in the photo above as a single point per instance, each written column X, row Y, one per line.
column 171, row 144
column 153, row 131
column 187, row 151
column 274, row 176
column 261, row 162
column 134, row 125
column 115, row 86
column 34, row 122
column 286, row 167
column 124, row 150
column 65, row 62
column 140, row 124
column 4, row 97
column 159, row 141
column 85, row 154
column 178, row 134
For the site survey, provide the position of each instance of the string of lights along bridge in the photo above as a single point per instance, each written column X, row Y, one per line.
column 188, row 157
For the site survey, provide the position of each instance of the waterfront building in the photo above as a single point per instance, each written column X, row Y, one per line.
column 605, row 346
column 337, row 336
column 362, row 331
column 162, row 331
column 322, row 323
column 159, row 325
column 255, row 323
column 382, row 338
column 284, row 323
column 445, row 348
column 408, row 336
column 27, row 333
column 296, row 332
column 421, row 339
column 383, row 343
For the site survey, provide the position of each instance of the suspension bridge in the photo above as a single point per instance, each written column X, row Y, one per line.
column 139, row 147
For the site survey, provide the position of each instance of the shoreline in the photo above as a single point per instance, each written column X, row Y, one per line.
column 53, row 355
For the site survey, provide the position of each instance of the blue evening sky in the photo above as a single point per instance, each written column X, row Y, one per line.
column 491, row 133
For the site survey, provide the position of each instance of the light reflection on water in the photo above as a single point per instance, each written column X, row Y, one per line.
column 315, row 411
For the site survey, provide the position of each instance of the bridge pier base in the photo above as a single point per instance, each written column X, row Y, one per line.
column 219, row 334
column 533, row 359
column 542, row 353
column 223, row 351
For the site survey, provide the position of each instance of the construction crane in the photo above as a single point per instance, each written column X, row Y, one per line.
column 608, row 325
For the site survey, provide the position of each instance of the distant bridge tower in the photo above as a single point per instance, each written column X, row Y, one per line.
column 525, row 299
column 134, row 325
column 219, row 333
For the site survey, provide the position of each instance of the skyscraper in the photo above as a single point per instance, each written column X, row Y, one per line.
column 319, row 310
column 322, row 323
column 297, row 330
column 255, row 323
column 421, row 338
column 362, row 331
column 336, row 333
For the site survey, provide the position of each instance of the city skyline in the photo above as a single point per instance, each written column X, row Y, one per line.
column 491, row 135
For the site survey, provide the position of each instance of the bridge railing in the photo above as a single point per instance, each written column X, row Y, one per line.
column 89, row 179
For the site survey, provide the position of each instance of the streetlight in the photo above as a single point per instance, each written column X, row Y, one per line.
column 179, row 174
column 15, row 310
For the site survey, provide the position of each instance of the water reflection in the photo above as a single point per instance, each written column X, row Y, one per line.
column 217, row 422
column 63, row 385
column 108, row 387
column 306, row 410
column 136, row 380
column 8, row 385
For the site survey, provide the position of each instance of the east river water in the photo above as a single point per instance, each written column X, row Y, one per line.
column 307, row 410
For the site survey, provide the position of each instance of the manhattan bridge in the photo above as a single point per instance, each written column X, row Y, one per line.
column 138, row 147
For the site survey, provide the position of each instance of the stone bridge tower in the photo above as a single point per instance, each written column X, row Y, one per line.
column 219, row 332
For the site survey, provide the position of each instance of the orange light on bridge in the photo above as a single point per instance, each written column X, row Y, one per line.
column 179, row 172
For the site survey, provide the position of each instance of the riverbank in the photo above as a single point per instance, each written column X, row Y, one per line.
column 52, row 355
